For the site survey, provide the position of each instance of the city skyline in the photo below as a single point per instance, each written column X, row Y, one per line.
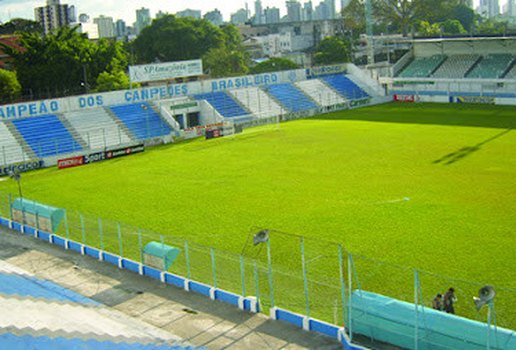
column 94, row 8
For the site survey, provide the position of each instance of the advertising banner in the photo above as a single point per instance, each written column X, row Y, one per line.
column 476, row 99
column 21, row 167
column 165, row 71
column 70, row 162
column 122, row 152
column 98, row 157
column 405, row 98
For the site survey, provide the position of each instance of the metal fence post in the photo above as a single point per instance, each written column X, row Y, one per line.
column 242, row 274
column 67, row 230
column 101, row 240
column 140, row 245
column 10, row 199
column 213, row 267
column 269, row 263
column 305, row 281
column 120, row 244
column 350, row 301
column 187, row 258
column 83, row 231
column 416, row 314
column 256, row 282
column 342, row 285
column 162, row 239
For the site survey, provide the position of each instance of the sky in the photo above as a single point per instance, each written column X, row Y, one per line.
column 125, row 9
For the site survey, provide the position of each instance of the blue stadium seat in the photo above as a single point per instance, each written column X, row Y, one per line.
column 223, row 103
column 13, row 342
column 27, row 286
column 141, row 120
column 290, row 97
column 46, row 135
column 345, row 86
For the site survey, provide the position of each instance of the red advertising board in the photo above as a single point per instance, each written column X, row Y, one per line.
column 405, row 98
column 70, row 162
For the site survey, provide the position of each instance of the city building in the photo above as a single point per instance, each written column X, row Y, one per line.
column 72, row 14
column 161, row 14
column 308, row 11
column 489, row 8
column 510, row 8
column 189, row 13
column 325, row 10
column 214, row 17
column 343, row 4
column 84, row 18
column 293, row 11
column 272, row 15
column 106, row 26
column 240, row 17
column 90, row 29
column 53, row 16
column 258, row 13
column 143, row 19
column 121, row 29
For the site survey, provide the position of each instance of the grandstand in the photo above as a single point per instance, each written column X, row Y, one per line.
column 141, row 120
column 422, row 67
column 291, row 98
column 492, row 66
column 258, row 102
column 223, row 103
column 511, row 74
column 97, row 128
column 345, row 86
column 320, row 92
column 12, row 150
column 456, row 66
column 47, row 136
column 40, row 314
column 465, row 67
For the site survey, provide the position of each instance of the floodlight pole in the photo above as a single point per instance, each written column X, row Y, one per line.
column 269, row 261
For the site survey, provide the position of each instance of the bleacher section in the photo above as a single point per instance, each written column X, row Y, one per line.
column 141, row 120
column 223, row 103
column 511, row 74
column 345, row 86
column 291, row 97
column 456, row 66
column 422, row 67
column 10, row 150
column 38, row 314
column 320, row 92
column 97, row 128
column 258, row 102
column 47, row 136
column 492, row 66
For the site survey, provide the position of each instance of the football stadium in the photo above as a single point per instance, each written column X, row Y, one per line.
column 321, row 199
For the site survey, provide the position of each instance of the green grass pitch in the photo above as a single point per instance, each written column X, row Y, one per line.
column 424, row 186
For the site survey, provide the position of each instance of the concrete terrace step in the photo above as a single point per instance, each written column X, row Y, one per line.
column 88, row 323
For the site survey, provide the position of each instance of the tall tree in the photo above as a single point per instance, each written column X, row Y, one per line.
column 171, row 38
column 61, row 63
column 274, row 65
column 20, row 25
column 332, row 50
column 401, row 13
column 10, row 87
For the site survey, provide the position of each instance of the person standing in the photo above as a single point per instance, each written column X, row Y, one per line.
column 437, row 303
column 449, row 300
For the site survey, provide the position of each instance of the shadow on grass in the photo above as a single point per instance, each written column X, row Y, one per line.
column 486, row 116
column 462, row 153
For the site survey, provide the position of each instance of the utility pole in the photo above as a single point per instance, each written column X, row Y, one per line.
column 369, row 31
